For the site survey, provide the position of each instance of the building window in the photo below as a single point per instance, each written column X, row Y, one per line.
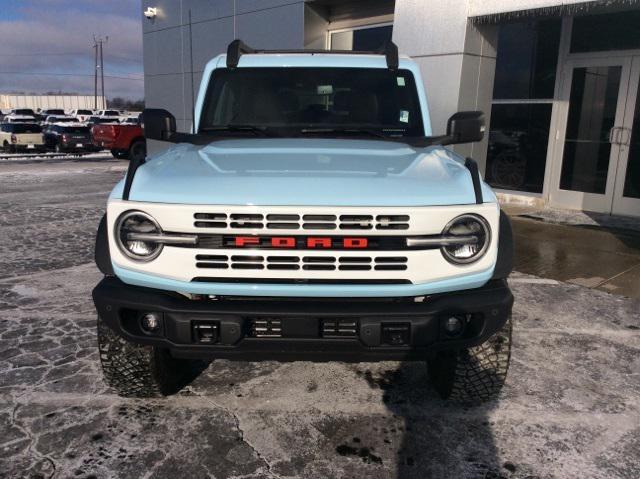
column 606, row 32
column 522, row 100
column 369, row 38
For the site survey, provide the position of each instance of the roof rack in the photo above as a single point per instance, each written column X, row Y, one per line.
column 237, row 48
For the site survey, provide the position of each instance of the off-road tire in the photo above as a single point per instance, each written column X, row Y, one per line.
column 137, row 150
column 134, row 370
column 476, row 374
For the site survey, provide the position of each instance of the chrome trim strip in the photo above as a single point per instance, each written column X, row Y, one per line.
column 440, row 241
column 163, row 239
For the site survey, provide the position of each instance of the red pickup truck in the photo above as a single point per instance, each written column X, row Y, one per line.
column 124, row 141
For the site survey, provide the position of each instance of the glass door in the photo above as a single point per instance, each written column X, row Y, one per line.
column 626, row 198
column 591, row 130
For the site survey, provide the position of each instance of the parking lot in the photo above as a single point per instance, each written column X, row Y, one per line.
column 571, row 406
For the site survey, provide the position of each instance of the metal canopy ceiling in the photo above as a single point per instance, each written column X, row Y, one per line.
column 502, row 13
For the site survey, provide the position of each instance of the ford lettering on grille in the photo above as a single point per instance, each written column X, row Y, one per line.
column 293, row 242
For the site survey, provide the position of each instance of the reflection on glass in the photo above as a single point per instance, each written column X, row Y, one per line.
column 592, row 111
column 604, row 32
column 364, row 39
column 518, row 146
column 527, row 60
column 632, row 179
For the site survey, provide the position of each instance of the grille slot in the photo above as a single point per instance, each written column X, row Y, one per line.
column 319, row 226
column 247, row 266
column 356, row 222
column 282, row 266
column 283, row 217
column 212, row 265
column 283, row 259
column 355, row 259
column 354, row 267
column 247, row 258
column 210, row 216
column 211, row 257
column 245, row 225
column 339, row 328
column 319, row 259
column 283, row 226
column 392, row 222
column 266, row 328
column 318, row 267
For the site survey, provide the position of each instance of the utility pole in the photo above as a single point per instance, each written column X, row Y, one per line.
column 104, row 106
column 95, row 74
column 99, row 64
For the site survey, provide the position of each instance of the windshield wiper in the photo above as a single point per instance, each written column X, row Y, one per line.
column 258, row 130
column 349, row 131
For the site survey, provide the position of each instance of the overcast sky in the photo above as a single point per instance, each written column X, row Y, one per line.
column 56, row 36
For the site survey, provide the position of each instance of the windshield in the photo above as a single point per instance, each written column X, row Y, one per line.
column 54, row 112
column 23, row 128
column 299, row 101
column 111, row 113
column 24, row 111
column 84, row 112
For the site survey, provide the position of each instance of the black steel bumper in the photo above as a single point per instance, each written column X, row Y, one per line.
column 315, row 329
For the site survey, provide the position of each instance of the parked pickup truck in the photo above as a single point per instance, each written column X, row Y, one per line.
column 124, row 141
column 310, row 215
column 16, row 137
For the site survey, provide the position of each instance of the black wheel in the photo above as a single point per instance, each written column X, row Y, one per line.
column 476, row 374
column 135, row 370
column 7, row 147
column 138, row 150
column 58, row 148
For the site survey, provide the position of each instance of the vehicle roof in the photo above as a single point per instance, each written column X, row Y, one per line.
column 318, row 60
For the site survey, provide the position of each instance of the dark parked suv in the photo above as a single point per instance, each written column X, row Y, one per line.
column 68, row 138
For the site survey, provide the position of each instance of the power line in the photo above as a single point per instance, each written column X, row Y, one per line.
column 70, row 75
column 39, row 54
column 120, row 57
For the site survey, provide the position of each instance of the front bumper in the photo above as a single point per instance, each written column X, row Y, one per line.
column 304, row 329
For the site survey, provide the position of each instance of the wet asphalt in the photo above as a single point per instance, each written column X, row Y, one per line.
column 604, row 259
column 570, row 408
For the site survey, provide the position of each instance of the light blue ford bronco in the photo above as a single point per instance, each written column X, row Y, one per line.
column 310, row 215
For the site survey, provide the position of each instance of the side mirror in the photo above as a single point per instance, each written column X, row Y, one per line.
column 158, row 124
column 465, row 127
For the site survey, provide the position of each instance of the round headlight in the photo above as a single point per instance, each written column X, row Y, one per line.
column 131, row 222
column 467, row 238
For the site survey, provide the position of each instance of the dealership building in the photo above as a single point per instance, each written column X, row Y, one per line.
column 558, row 80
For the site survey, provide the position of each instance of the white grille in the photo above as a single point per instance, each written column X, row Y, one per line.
column 306, row 262
column 316, row 222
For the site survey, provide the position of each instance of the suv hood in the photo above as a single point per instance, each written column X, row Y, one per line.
column 304, row 172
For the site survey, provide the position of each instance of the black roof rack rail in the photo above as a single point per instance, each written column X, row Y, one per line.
column 237, row 48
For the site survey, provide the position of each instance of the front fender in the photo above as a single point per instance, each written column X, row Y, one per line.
column 102, row 255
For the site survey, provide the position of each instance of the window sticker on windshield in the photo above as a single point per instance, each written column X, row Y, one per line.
column 400, row 81
column 325, row 89
column 404, row 116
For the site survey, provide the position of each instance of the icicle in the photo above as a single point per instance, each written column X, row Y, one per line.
column 557, row 10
